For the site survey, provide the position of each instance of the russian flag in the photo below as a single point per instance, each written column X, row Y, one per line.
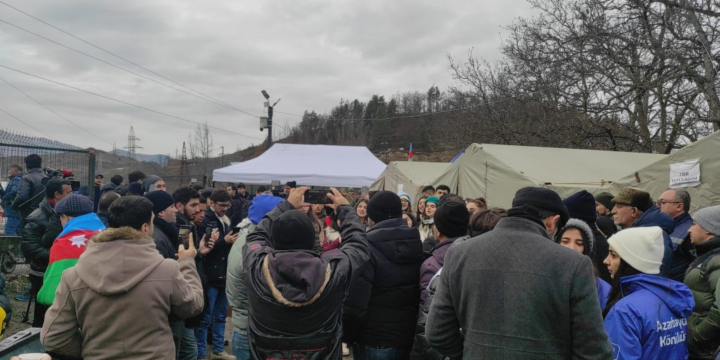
column 410, row 154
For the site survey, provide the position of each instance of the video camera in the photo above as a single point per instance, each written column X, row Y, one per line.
column 61, row 174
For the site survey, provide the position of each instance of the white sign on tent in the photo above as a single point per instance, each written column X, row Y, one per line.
column 685, row 174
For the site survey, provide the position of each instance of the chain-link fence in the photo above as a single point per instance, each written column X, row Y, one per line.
column 58, row 160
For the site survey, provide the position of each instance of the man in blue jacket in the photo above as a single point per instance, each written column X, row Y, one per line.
column 676, row 203
column 12, row 227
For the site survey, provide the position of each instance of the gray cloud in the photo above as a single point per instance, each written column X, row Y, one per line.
column 309, row 53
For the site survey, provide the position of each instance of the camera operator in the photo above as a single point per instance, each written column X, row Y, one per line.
column 296, row 294
column 31, row 189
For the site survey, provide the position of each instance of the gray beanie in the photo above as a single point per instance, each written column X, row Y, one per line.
column 584, row 228
column 709, row 219
column 149, row 181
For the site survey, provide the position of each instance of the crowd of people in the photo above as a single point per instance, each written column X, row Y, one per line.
column 139, row 272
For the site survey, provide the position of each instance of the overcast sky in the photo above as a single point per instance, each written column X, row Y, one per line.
column 310, row 53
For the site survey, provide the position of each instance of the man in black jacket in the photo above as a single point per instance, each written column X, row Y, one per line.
column 513, row 293
column 382, row 307
column 42, row 227
column 31, row 190
column 215, row 269
column 234, row 212
column 133, row 177
column 295, row 293
column 105, row 201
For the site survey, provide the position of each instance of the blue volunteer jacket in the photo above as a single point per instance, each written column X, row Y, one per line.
column 650, row 321
column 603, row 290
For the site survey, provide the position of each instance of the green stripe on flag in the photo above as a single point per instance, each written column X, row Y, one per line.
column 53, row 274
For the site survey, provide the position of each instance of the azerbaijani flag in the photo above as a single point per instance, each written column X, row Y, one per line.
column 65, row 251
column 410, row 154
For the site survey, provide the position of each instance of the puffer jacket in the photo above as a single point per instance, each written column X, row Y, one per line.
column 41, row 229
column 30, row 193
column 650, row 321
column 433, row 264
column 382, row 305
column 107, row 188
column 115, row 303
column 655, row 217
column 297, row 310
column 702, row 278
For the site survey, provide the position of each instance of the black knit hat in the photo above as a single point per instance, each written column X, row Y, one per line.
column 293, row 231
column 135, row 188
column 581, row 205
column 74, row 205
column 542, row 198
column 384, row 205
column 161, row 200
column 452, row 219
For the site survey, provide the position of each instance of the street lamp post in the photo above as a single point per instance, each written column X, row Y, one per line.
column 266, row 122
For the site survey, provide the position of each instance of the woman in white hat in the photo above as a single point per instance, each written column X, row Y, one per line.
column 646, row 315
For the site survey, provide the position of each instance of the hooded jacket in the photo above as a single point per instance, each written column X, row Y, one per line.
column 216, row 260
column 297, row 295
column 702, row 279
column 650, row 321
column 382, row 305
column 166, row 238
column 115, row 303
column 655, row 217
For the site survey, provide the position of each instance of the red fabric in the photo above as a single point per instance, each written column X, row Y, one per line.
column 63, row 248
column 327, row 246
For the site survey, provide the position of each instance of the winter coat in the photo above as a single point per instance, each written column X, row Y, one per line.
column 603, row 290
column 236, row 288
column 433, row 264
column 421, row 349
column 516, row 288
column 216, row 259
column 166, row 238
column 42, row 228
column 382, row 305
column 702, row 278
column 9, row 196
column 194, row 322
column 107, row 188
column 297, row 296
column 115, row 303
column 234, row 212
column 650, row 321
column 30, row 193
column 601, row 251
column 655, row 217
column 104, row 218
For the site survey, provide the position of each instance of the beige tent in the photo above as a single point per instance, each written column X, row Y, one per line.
column 498, row 171
column 412, row 175
column 655, row 178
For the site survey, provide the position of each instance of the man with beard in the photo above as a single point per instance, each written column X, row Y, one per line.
column 215, row 270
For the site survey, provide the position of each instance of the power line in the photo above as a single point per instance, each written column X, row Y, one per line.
column 53, row 111
column 126, row 70
column 12, row 116
column 126, row 103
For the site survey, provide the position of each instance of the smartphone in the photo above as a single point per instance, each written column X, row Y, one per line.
column 235, row 230
column 185, row 235
column 209, row 229
column 317, row 197
column 364, row 190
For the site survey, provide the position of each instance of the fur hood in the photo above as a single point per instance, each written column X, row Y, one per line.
column 123, row 233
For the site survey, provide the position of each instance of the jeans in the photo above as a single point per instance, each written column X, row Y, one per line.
column 213, row 316
column 184, row 338
column 367, row 352
column 240, row 346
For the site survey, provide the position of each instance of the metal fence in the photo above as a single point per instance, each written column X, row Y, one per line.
column 14, row 147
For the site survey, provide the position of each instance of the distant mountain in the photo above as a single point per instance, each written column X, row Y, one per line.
column 160, row 159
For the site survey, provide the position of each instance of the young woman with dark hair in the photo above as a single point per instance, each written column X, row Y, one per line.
column 485, row 220
column 420, row 208
column 361, row 209
column 475, row 205
column 577, row 235
column 646, row 314
column 427, row 223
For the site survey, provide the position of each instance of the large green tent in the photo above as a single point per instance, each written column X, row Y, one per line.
column 412, row 175
column 655, row 178
column 496, row 172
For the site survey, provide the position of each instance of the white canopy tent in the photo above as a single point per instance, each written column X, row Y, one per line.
column 311, row 165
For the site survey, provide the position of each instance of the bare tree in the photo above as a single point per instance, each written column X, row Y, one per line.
column 204, row 146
